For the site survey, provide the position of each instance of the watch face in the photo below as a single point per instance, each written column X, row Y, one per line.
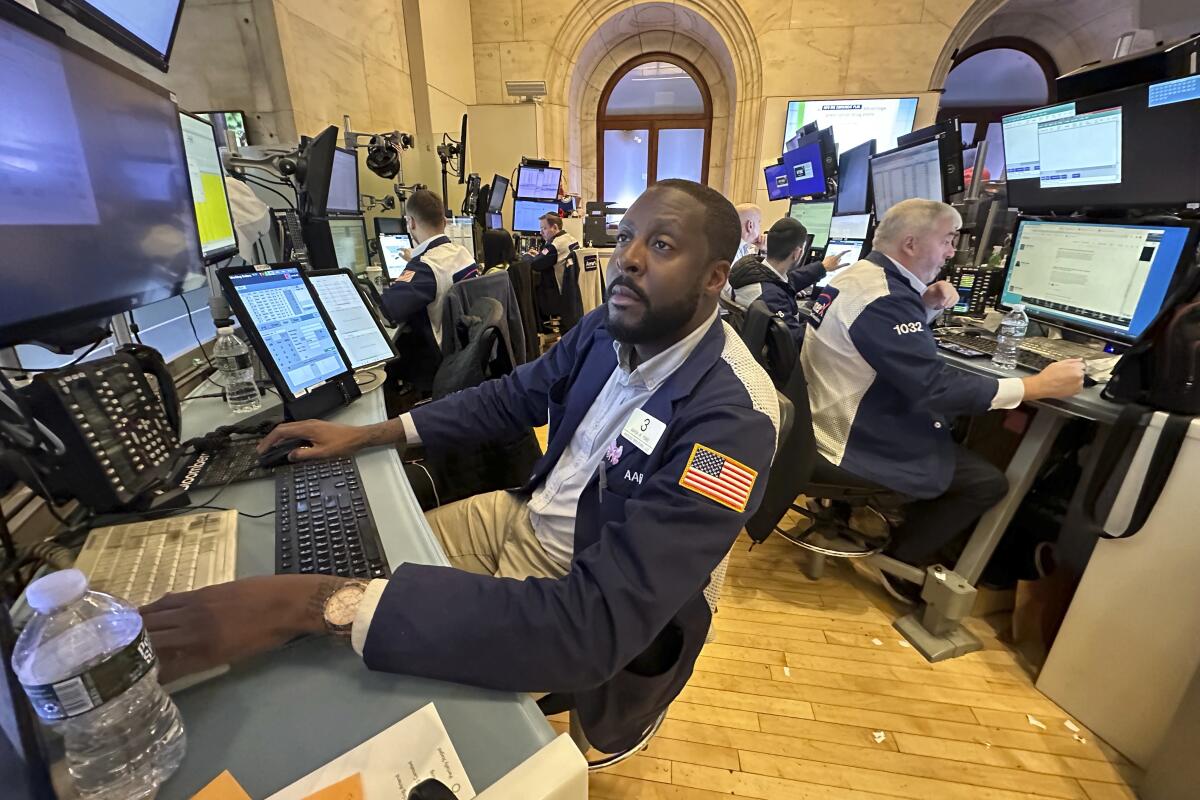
column 342, row 606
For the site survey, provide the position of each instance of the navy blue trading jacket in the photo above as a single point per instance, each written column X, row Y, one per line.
column 751, row 279
column 882, row 398
column 622, row 630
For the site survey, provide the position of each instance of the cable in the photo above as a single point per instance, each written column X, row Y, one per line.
column 195, row 332
column 86, row 353
column 276, row 192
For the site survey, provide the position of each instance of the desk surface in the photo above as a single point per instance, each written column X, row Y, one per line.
column 1088, row 404
column 275, row 718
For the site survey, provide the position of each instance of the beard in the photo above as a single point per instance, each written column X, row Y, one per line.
column 650, row 322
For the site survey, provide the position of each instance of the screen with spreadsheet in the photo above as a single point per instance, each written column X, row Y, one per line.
column 280, row 307
column 214, row 220
column 816, row 218
column 356, row 328
column 903, row 174
column 350, row 243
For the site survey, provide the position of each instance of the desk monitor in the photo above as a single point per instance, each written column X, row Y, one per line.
column 907, row 173
column 805, row 170
column 778, row 185
column 849, row 235
column 854, row 120
column 527, row 214
column 1022, row 155
column 389, row 225
column 289, row 329
column 498, row 194
column 343, row 184
column 214, row 220
column 816, row 217
column 358, row 331
column 538, row 183
column 96, row 218
column 1105, row 279
column 146, row 29
column 854, row 179
column 392, row 247
column 495, row 221
column 350, row 243
column 227, row 123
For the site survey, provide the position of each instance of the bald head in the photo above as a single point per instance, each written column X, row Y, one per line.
column 750, row 218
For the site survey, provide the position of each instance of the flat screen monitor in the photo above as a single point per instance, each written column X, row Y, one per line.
column 1108, row 280
column 904, row 174
column 538, row 183
column 96, row 217
column 805, row 170
column 350, row 243
column 816, row 217
column 343, row 184
column 854, row 179
column 850, row 226
column 292, row 335
column 778, row 185
column 145, row 28
column 498, row 194
column 854, row 121
column 358, row 331
column 389, row 225
column 1128, row 148
column 317, row 154
column 392, row 247
column 228, row 122
column 527, row 214
column 495, row 221
column 214, row 220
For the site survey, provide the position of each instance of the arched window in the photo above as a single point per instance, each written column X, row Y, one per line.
column 993, row 78
column 654, row 123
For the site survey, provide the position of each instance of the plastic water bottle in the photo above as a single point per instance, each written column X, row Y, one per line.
column 1012, row 331
column 88, row 668
column 232, row 359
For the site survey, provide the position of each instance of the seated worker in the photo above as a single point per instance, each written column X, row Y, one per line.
column 750, row 220
column 557, row 248
column 499, row 252
column 782, row 276
column 882, row 399
column 589, row 580
column 415, row 298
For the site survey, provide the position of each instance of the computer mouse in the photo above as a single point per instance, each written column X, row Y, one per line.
column 277, row 456
column 431, row 789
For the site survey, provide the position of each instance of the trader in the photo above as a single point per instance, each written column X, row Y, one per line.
column 590, row 579
column 558, row 245
column 415, row 298
column 883, row 401
column 750, row 222
column 782, row 276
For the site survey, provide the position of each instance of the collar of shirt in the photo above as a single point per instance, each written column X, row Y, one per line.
column 652, row 372
column 919, row 285
column 428, row 243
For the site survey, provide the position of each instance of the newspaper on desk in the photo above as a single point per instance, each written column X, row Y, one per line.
column 393, row 762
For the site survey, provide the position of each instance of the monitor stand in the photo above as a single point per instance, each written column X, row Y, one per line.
column 322, row 400
column 369, row 379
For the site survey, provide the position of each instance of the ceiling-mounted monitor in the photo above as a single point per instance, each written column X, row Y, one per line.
column 854, row 121
column 145, row 28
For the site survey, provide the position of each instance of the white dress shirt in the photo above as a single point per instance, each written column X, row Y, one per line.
column 1010, row 392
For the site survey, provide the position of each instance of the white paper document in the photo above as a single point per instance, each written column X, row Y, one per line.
column 393, row 762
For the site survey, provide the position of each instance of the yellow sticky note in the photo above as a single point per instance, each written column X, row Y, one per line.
column 225, row 787
column 349, row 789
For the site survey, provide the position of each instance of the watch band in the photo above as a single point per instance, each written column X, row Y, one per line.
column 343, row 629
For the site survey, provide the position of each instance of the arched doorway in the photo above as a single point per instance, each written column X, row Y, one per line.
column 654, row 122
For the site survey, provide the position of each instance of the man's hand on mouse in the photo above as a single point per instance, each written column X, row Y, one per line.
column 332, row 440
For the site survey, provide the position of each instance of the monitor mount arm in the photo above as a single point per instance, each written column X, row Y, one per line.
column 448, row 151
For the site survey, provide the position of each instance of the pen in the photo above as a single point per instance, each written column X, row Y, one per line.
column 603, row 480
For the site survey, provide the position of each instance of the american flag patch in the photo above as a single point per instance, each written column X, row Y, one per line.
column 718, row 477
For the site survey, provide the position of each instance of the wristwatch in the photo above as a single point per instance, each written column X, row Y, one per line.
column 341, row 607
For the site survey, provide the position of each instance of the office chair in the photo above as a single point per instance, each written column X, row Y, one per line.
column 769, row 341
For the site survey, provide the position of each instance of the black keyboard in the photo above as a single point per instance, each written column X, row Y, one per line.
column 233, row 463
column 323, row 523
column 957, row 342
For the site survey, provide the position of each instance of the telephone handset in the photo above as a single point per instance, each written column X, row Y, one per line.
column 295, row 232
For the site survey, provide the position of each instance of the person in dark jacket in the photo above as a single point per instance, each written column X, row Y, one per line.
column 782, row 276
column 591, row 579
column 499, row 251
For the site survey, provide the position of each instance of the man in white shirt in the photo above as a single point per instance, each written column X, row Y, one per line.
column 750, row 219
column 883, row 400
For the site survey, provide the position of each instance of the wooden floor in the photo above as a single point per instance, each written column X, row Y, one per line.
column 807, row 693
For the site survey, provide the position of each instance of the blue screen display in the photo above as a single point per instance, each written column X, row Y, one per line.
column 527, row 214
column 778, row 185
column 1107, row 280
column 285, row 314
column 805, row 170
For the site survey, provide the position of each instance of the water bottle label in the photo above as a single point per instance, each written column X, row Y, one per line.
column 94, row 688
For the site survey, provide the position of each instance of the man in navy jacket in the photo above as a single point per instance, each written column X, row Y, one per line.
column 590, row 579
column 882, row 399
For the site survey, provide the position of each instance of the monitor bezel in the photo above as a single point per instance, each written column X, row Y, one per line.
column 492, row 204
column 517, row 191
column 541, row 202
column 91, row 17
column 1181, row 269
column 341, row 213
column 229, row 250
column 871, row 146
column 321, row 273
column 897, row 151
column 225, row 279
column 798, row 201
column 362, row 224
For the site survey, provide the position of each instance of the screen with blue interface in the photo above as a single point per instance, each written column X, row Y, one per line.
column 777, row 181
column 527, row 214
column 1108, row 280
column 356, row 328
column 805, row 170
column 285, row 314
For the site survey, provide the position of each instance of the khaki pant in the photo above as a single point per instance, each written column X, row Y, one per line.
column 490, row 534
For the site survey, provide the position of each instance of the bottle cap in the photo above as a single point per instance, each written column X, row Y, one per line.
column 56, row 590
column 1018, row 307
column 224, row 329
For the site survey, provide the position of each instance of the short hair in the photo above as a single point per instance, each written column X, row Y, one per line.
column 912, row 217
column 785, row 236
column 747, row 209
column 553, row 219
column 426, row 207
column 722, row 229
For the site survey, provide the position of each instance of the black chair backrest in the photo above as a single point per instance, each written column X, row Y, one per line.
column 770, row 342
column 478, row 351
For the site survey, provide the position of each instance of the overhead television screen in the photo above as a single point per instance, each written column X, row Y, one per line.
column 854, row 121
